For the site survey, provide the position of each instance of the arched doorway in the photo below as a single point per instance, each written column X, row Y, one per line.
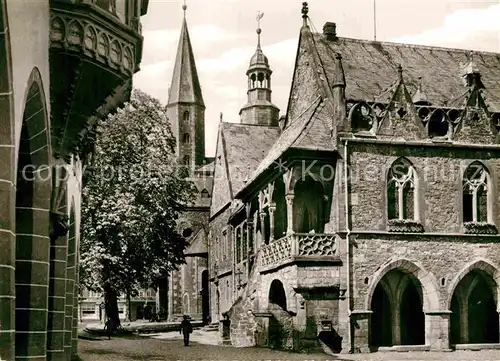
column 397, row 306
column 205, row 302
column 381, row 335
column 308, row 206
column 279, row 318
column 34, row 188
column 139, row 313
column 148, row 312
column 474, row 317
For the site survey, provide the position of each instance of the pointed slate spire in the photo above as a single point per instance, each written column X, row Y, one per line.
column 339, row 75
column 476, row 125
column 401, row 119
column 339, row 101
column 185, row 86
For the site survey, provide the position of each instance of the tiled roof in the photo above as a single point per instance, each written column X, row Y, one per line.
column 243, row 147
column 371, row 69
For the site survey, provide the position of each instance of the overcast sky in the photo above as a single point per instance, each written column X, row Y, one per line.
column 223, row 37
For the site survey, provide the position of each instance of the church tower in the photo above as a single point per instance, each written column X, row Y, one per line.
column 185, row 108
column 259, row 109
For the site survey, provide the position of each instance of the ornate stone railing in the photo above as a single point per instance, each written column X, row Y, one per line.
column 316, row 245
column 301, row 245
column 277, row 252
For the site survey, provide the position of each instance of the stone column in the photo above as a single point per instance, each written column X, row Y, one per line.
column 396, row 324
column 272, row 210
column 361, row 331
column 437, row 330
column 32, row 264
column 464, row 320
column 263, row 227
column 57, row 295
column 71, row 302
column 289, row 213
column 250, row 245
column 76, row 315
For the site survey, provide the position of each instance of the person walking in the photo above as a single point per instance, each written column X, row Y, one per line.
column 186, row 329
column 108, row 327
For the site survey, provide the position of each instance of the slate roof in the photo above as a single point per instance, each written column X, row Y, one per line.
column 199, row 246
column 370, row 69
column 308, row 131
column 243, row 147
column 185, row 86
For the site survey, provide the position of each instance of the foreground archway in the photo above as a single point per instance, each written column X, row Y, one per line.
column 474, row 317
column 33, row 197
column 7, row 189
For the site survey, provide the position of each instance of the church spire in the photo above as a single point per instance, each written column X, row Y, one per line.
column 185, row 86
column 259, row 109
column 185, row 107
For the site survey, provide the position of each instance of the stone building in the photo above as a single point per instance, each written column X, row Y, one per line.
column 367, row 216
column 185, row 292
column 63, row 65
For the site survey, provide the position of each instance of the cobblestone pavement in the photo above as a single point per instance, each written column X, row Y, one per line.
column 145, row 348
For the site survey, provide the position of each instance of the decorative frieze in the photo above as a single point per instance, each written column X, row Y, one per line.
column 78, row 31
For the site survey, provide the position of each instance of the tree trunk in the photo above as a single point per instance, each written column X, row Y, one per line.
column 111, row 305
column 129, row 310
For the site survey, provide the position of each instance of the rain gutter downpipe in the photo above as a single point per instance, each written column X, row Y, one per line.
column 348, row 248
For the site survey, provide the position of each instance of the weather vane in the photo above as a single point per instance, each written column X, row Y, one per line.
column 259, row 16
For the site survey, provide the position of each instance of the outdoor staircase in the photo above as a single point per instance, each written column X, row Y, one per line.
column 211, row 327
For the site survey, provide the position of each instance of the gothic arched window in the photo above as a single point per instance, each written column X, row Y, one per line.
column 476, row 194
column 401, row 195
column 186, row 116
column 186, row 160
column 186, row 138
column 205, row 194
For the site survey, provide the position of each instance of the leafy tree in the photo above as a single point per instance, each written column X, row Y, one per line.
column 133, row 193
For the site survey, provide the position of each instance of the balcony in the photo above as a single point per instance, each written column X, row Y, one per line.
column 95, row 49
column 315, row 247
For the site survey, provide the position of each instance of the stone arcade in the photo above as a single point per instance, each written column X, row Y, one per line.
column 367, row 216
column 64, row 65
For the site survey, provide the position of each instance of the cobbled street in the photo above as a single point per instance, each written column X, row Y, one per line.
column 144, row 348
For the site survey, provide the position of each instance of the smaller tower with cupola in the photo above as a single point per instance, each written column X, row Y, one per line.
column 259, row 109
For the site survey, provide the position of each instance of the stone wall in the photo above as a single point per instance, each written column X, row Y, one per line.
column 223, row 281
column 439, row 186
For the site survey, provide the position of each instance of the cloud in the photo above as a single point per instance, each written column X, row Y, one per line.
column 467, row 28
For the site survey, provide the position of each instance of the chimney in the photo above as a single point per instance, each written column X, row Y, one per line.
column 330, row 31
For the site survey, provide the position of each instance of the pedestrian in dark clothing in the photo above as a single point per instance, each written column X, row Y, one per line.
column 108, row 327
column 186, row 329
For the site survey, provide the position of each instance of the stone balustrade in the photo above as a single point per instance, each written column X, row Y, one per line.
column 295, row 245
